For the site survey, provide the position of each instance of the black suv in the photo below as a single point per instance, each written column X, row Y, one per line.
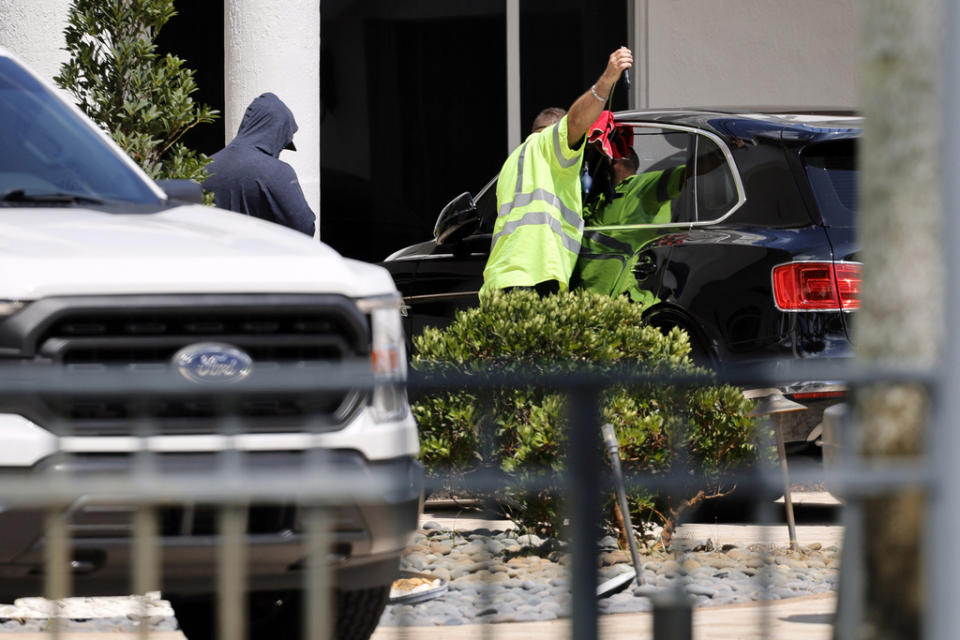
column 754, row 256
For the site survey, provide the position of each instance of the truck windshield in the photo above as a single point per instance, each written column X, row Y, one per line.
column 832, row 172
column 51, row 154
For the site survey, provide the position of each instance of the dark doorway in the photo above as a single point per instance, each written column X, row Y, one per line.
column 435, row 126
column 195, row 35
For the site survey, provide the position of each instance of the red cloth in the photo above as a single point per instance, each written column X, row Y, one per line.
column 612, row 140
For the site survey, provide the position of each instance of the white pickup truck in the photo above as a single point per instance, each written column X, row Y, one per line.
column 101, row 269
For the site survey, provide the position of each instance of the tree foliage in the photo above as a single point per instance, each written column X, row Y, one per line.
column 141, row 98
column 662, row 428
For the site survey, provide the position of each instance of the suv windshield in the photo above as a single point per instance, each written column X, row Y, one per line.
column 51, row 155
column 832, row 172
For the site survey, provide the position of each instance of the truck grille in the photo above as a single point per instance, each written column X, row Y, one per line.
column 141, row 334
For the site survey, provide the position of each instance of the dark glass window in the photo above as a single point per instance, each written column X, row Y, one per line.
column 832, row 172
column 716, row 192
column 680, row 177
column 48, row 148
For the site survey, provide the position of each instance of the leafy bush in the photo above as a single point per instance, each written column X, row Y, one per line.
column 660, row 427
column 118, row 79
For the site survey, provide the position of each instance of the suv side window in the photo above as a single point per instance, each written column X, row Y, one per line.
column 679, row 177
column 661, row 191
column 716, row 192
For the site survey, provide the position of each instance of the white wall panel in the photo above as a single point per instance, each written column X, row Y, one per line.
column 33, row 29
column 757, row 52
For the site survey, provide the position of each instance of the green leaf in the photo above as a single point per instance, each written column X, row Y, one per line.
column 660, row 428
column 116, row 77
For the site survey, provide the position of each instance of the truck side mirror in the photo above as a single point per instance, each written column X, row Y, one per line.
column 182, row 190
column 458, row 219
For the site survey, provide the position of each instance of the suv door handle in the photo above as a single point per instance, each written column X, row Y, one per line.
column 644, row 268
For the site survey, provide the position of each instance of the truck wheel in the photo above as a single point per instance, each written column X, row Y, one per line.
column 280, row 614
column 358, row 612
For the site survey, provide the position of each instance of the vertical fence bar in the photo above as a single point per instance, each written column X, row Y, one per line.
column 851, row 590
column 318, row 610
column 583, row 478
column 231, row 573
column 146, row 562
column 146, row 543
column 765, row 515
column 488, row 451
column 56, row 571
column 942, row 561
column 232, row 521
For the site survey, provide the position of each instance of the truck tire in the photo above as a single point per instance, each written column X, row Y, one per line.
column 358, row 612
column 280, row 614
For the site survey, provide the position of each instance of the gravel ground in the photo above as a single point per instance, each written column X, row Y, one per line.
column 499, row 576
column 101, row 614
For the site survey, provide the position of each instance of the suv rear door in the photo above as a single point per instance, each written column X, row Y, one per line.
column 686, row 178
column 831, row 171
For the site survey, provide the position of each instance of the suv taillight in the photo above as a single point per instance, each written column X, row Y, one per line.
column 817, row 286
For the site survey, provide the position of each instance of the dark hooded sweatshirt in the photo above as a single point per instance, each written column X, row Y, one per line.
column 247, row 175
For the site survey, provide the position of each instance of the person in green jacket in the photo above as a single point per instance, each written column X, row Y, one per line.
column 607, row 258
column 539, row 225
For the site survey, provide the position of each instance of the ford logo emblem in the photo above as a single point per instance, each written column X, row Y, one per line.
column 213, row 362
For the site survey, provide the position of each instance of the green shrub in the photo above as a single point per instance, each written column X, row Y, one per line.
column 660, row 427
column 143, row 100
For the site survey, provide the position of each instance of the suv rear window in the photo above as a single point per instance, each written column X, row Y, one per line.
column 832, row 172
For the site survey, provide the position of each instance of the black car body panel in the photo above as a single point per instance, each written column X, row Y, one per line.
column 787, row 195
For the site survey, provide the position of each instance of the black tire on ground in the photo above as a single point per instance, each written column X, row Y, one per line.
column 269, row 615
column 358, row 612
column 280, row 614
column 195, row 615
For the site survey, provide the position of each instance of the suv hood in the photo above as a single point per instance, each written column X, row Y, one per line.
column 189, row 249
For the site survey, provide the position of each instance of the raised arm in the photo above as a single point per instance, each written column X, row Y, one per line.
column 587, row 108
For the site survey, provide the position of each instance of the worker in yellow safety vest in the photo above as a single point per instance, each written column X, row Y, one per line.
column 539, row 226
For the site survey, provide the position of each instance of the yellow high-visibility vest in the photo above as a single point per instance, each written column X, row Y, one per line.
column 539, row 225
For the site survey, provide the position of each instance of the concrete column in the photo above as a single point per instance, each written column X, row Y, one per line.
column 275, row 46
column 33, row 29
column 514, row 135
column 638, row 40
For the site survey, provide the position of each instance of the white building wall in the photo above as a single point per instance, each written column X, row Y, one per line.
column 33, row 29
column 751, row 52
column 275, row 46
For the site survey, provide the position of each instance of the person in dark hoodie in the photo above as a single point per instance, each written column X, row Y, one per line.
column 247, row 176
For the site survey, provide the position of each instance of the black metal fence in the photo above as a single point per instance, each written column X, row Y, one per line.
column 145, row 489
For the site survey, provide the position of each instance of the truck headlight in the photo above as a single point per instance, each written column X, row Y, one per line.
column 388, row 357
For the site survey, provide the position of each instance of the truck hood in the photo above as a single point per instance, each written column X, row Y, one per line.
column 188, row 249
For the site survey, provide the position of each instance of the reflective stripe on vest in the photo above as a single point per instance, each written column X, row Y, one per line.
column 566, row 163
column 539, row 218
column 521, row 199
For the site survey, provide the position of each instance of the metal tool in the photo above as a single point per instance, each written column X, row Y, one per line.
column 613, row 450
